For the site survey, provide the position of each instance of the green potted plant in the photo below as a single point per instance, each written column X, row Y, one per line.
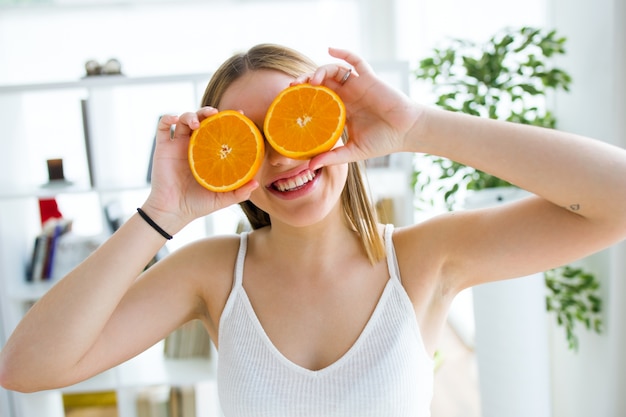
column 509, row 77
column 573, row 297
column 506, row 78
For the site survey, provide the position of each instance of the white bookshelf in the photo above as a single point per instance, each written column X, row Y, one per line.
column 45, row 121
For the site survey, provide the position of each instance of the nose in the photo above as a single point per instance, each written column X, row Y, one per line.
column 274, row 158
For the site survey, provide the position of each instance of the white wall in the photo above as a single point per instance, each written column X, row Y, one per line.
column 43, row 44
column 591, row 383
column 46, row 43
column 476, row 19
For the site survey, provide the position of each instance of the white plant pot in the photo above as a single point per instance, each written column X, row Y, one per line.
column 511, row 335
column 490, row 197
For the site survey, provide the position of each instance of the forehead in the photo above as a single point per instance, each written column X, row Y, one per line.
column 253, row 93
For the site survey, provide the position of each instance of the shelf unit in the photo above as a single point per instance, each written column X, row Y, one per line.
column 45, row 121
column 108, row 162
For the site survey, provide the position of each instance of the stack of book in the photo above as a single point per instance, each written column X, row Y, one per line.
column 166, row 401
column 45, row 249
column 191, row 340
column 91, row 404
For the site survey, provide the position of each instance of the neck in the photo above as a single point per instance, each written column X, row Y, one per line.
column 311, row 247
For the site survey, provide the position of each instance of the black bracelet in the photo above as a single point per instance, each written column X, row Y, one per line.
column 153, row 224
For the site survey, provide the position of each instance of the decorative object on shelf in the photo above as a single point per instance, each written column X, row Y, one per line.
column 506, row 78
column 55, row 169
column 92, row 67
column 111, row 67
column 56, row 175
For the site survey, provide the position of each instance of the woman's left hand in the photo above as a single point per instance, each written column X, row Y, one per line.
column 377, row 116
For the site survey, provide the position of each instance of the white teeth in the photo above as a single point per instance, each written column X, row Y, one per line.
column 295, row 182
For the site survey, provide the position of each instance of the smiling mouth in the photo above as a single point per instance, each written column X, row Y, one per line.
column 294, row 183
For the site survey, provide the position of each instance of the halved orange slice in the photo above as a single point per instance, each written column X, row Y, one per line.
column 304, row 120
column 226, row 151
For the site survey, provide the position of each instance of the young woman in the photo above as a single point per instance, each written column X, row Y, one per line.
column 319, row 311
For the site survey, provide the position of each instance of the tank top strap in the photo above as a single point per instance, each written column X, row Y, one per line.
column 392, row 261
column 241, row 257
column 390, row 251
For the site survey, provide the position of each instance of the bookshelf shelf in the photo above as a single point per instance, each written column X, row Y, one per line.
column 109, row 81
column 176, row 372
column 41, row 191
column 105, row 381
column 25, row 292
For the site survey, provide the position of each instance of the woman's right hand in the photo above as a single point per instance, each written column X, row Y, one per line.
column 176, row 197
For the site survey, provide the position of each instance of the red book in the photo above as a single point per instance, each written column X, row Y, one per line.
column 48, row 209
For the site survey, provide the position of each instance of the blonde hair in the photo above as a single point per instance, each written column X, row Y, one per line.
column 358, row 210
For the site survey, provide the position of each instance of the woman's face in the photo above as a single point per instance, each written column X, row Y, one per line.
column 289, row 191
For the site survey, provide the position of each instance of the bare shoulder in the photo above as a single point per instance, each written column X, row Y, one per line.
column 210, row 249
column 210, row 260
column 430, row 243
column 208, row 266
column 417, row 246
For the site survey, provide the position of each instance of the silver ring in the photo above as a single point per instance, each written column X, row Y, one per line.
column 346, row 76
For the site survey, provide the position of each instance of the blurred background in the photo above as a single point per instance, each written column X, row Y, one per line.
column 48, row 42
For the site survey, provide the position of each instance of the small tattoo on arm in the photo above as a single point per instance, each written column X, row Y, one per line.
column 574, row 207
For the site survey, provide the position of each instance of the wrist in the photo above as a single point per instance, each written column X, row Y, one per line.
column 415, row 136
column 153, row 224
column 165, row 223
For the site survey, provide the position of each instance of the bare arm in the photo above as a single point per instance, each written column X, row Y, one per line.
column 580, row 174
column 101, row 314
column 579, row 210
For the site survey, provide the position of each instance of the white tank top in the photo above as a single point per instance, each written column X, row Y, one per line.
column 387, row 372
